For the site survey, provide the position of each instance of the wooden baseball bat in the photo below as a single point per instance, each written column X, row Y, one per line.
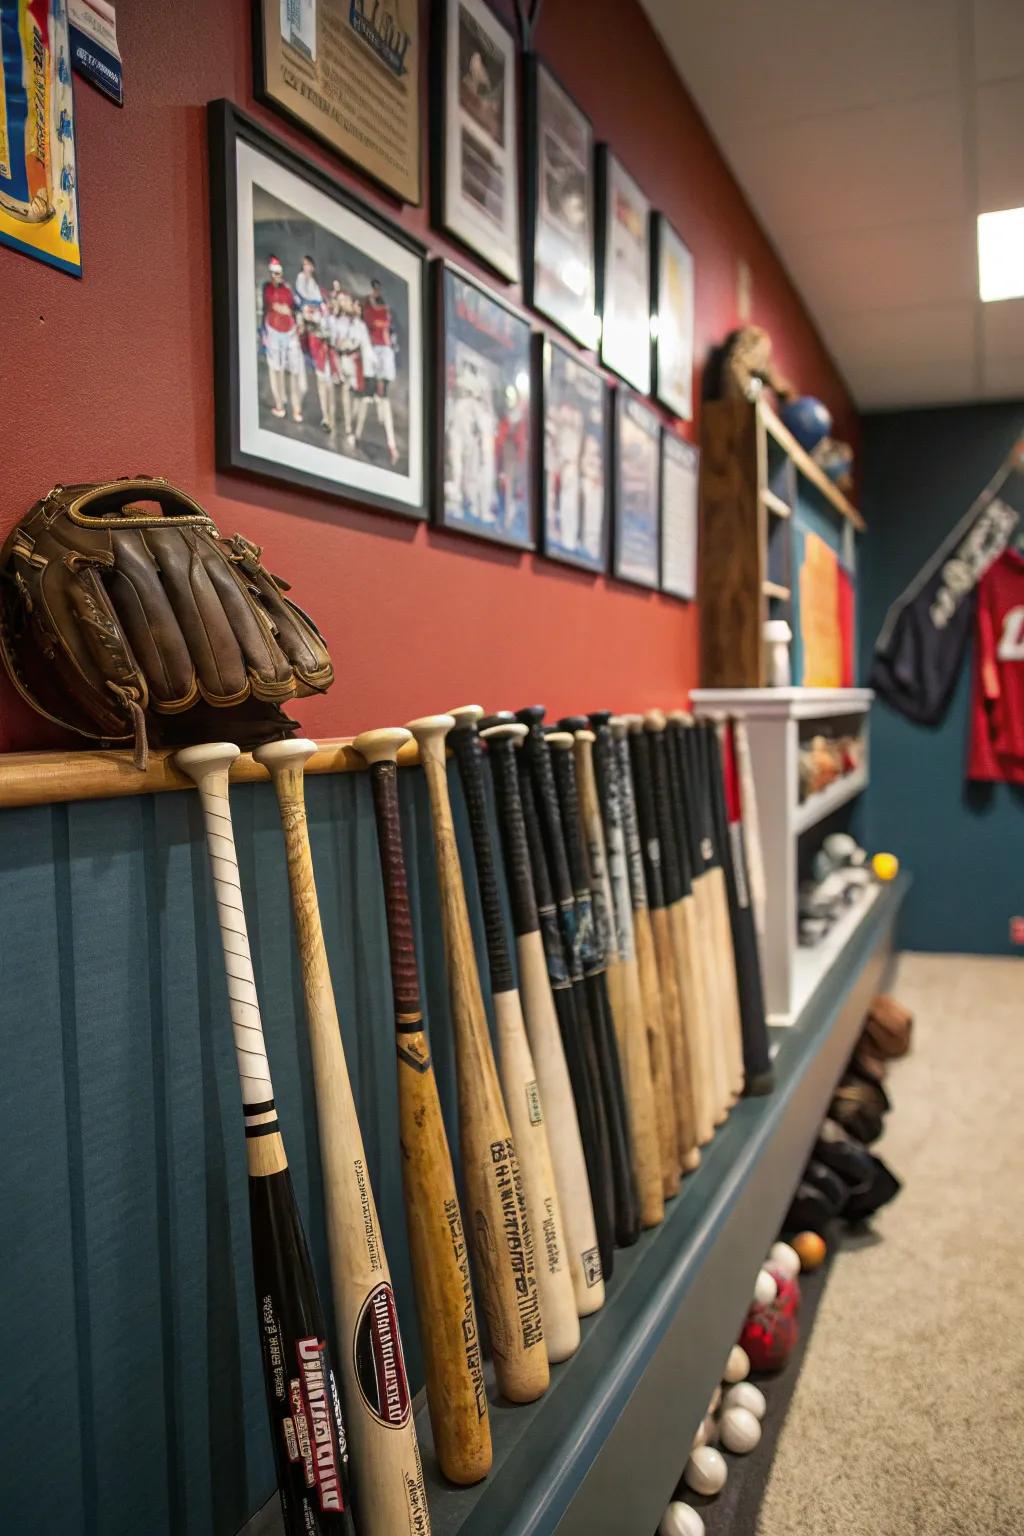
column 524, row 1099
column 499, row 1226
column 385, row 1453
column 306, row 1431
column 720, row 887
column 615, row 930
column 538, row 993
column 751, row 829
column 672, row 1137
column 456, row 1396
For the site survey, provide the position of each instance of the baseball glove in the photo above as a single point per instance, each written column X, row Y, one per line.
column 130, row 623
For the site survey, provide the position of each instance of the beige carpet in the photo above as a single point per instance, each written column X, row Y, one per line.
column 908, row 1417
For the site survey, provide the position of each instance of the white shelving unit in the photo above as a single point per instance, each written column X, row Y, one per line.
column 773, row 718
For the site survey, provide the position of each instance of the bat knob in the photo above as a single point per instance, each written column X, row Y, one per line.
column 293, row 752
column 599, row 717
column 561, row 740
column 467, row 716
column 633, row 723
column 198, row 763
column 573, row 723
column 531, row 714
column 500, row 717
column 654, row 720
column 619, row 725
column 504, row 730
column 382, row 746
column 430, row 728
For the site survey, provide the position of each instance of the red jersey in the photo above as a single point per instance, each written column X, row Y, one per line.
column 278, row 293
column 378, row 322
column 997, row 702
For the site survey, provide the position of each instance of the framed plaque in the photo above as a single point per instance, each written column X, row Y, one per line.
column 672, row 327
column 680, row 476
column 624, row 273
column 476, row 143
column 574, row 450
column 636, row 546
column 348, row 71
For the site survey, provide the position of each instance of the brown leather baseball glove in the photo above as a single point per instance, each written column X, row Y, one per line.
column 127, row 622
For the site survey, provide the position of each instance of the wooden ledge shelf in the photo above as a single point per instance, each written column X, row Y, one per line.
column 808, row 468
column 777, row 590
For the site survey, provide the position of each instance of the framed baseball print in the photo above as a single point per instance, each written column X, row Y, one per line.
column 672, row 319
column 347, row 71
column 559, row 206
column 574, row 458
column 319, row 325
column 485, row 476
column 680, row 478
column 624, row 273
column 475, row 153
column 636, row 545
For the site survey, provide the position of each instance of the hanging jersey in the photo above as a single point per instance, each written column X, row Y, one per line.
column 997, row 703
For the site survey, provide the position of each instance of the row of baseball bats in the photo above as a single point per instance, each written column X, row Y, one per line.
column 628, row 1018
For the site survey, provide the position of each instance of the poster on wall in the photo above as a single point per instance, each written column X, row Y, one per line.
column 574, row 443
column 637, row 476
column 38, row 179
column 680, row 478
column 820, row 630
column 318, row 313
column 624, row 274
column 559, row 206
column 673, row 319
column 348, row 71
column 476, row 158
column 484, row 463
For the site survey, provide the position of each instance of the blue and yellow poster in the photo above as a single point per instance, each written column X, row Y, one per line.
column 38, row 188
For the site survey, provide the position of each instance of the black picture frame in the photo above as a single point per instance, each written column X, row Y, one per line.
column 675, row 449
column 625, row 340
column 668, row 391
column 499, row 249
column 636, row 550
column 238, row 432
column 577, row 320
column 549, row 354
column 454, row 352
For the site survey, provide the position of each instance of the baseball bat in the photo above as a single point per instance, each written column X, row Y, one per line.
column 670, row 1137
column 592, row 961
column 751, row 829
column 456, row 1396
column 502, row 1242
column 540, row 996
column 388, row 1477
column 556, row 910
column 306, row 1429
column 615, row 930
column 723, row 926
column 524, row 1100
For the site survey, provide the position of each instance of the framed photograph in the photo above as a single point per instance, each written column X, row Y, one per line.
column 485, row 473
column 319, row 327
column 574, row 458
column 672, row 319
column 348, row 71
column 636, row 546
column 559, row 206
column 475, row 155
column 624, row 273
column 680, row 480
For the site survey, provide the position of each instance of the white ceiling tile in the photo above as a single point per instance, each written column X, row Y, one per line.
column 925, row 335
column 1000, row 131
column 998, row 39
column 892, row 164
column 1003, row 378
column 909, row 383
column 1002, row 329
column 888, row 268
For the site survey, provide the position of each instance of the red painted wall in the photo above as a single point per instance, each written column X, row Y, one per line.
column 113, row 375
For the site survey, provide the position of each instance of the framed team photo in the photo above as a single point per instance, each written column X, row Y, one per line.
column 319, row 309
column 624, row 273
column 636, row 546
column 574, row 458
column 560, row 279
column 476, row 149
column 672, row 319
column 680, row 480
column 485, row 473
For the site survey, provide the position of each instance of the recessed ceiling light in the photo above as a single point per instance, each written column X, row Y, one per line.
column 1001, row 254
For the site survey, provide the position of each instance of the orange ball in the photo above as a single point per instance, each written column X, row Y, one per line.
column 811, row 1249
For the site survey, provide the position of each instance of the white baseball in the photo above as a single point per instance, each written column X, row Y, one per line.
column 766, row 1288
column 745, row 1395
column 737, row 1367
column 681, row 1520
column 785, row 1259
column 739, row 1430
column 706, row 1470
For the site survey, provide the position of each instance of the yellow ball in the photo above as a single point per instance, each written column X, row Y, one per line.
column 886, row 866
column 811, row 1249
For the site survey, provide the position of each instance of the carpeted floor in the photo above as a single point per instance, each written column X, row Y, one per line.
column 908, row 1415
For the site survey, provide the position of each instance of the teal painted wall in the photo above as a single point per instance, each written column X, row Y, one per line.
column 964, row 843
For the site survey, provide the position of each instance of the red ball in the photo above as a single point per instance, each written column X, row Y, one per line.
column 771, row 1331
